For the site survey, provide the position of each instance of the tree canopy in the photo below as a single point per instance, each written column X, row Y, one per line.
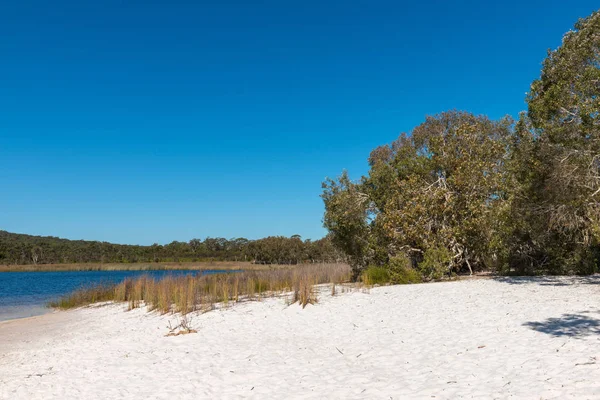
column 28, row 249
column 461, row 192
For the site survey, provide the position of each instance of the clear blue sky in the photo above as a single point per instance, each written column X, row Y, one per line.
column 141, row 123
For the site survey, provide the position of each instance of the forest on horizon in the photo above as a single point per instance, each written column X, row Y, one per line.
column 25, row 249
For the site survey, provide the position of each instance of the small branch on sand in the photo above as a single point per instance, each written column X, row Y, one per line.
column 185, row 327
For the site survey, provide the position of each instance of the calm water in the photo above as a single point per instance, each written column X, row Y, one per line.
column 25, row 294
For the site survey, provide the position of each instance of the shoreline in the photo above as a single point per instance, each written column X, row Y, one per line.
column 23, row 334
column 487, row 338
column 144, row 266
column 149, row 266
column 32, row 317
column 11, row 313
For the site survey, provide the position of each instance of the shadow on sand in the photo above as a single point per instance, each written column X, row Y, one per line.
column 550, row 280
column 572, row 325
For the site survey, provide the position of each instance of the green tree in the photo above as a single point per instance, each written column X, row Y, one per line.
column 443, row 187
column 348, row 217
column 440, row 189
column 564, row 193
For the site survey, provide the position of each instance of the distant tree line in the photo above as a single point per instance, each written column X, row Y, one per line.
column 462, row 193
column 28, row 249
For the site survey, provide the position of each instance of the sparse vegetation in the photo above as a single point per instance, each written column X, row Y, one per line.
column 183, row 328
column 161, row 266
column 89, row 295
column 184, row 294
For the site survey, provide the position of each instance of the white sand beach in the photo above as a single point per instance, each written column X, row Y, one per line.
column 480, row 338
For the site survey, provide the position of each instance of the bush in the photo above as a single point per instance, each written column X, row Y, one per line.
column 401, row 271
column 406, row 276
column 376, row 276
column 435, row 263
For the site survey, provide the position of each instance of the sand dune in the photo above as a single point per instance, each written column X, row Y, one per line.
column 520, row 339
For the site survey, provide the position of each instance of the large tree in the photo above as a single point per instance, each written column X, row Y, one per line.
column 462, row 192
column 564, row 110
column 434, row 195
column 447, row 187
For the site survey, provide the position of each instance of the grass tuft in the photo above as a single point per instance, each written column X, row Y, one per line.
column 85, row 296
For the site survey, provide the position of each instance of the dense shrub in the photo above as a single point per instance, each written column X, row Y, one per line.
column 436, row 263
column 401, row 271
column 376, row 275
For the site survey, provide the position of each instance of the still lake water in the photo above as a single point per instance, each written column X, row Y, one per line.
column 25, row 294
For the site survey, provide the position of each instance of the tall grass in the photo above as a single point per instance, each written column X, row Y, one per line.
column 142, row 266
column 184, row 294
column 89, row 295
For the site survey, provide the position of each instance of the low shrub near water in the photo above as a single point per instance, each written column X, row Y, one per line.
column 185, row 294
column 84, row 296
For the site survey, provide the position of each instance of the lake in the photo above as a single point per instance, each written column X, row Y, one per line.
column 25, row 294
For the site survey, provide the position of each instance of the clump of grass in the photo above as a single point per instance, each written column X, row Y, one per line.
column 307, row 294
column 164, row 296
column 236, row 288
column 136, row 290
column 376, row 276
column 185, row 294
column 85, row 296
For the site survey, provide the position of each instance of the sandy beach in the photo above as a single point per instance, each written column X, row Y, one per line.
column 480, row 338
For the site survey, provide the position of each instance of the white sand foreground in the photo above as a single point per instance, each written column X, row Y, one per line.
column 483, row 338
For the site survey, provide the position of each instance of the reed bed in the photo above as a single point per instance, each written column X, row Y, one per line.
column 185, row 294
column 142, row 266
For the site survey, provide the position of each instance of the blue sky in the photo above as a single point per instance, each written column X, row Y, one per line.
column 141, row 123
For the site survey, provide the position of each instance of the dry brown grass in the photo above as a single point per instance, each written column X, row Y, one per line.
column 185, row 294
column 205, row 265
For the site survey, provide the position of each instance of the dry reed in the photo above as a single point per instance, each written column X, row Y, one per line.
column 143, row 266
column 184, row 294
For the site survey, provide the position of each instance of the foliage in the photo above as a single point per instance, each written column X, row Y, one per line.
column 401, row 271
column 563, row 189
column 376, row 275
column 27, row 249
column 439, row 187
column 462, row 193
column 347, row 217
column 435, row 262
